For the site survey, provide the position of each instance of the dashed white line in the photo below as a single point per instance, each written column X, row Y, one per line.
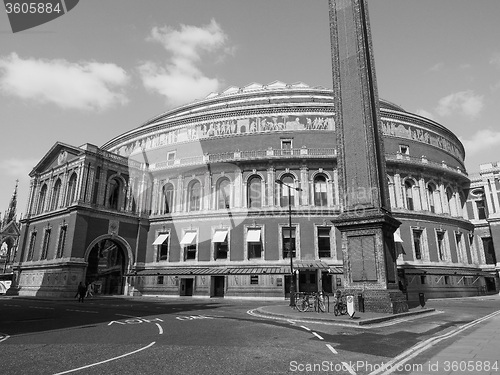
column 84, row 311
column 307, row 329
column 332, row 349
column 318, row 336
column 40, row 308
column 160, row 328
column 107, row 360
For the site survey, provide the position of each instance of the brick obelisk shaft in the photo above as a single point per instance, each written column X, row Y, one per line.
column 366, row 223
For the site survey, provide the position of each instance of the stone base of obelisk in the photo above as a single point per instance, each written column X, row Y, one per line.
column 370, row 261
column 378, row 300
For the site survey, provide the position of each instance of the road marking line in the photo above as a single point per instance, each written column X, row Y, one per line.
column 332, row 349
column 107, row 360
column 41, row 308
column 3, row 338
column 159, row 328
column 84, row 311
column 412, row 352
column 318, row 336
column 348, row 368
column 307, row 329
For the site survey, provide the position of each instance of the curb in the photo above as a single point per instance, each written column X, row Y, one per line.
column 364, row 322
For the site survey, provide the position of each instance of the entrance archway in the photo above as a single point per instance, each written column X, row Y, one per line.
column 107, row 262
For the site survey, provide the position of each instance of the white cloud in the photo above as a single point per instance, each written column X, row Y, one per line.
column 83, row 85
column 437, row 67
column 180, row 80
column 424, row 113
column 464, row 103
column 495, row 60
column 481, row 141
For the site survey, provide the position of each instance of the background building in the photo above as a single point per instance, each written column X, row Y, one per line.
column 188, row 204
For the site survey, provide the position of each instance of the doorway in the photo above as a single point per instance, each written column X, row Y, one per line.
column 308, row 282
column 187, row 286
column 106, row 267
column 217, row 286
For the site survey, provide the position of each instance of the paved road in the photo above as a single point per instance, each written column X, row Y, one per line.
column 208, row 336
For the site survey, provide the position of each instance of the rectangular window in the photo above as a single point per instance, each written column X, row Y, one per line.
column 447, row 280
column 462, row 257
column 324, row 250
column 254, row 280
column 161, row 244
column 254, row 243
column 32, row 246
column 190, row 245
column 220, row 242
column 288, row 242
column 159, row 280
column 286, row 146
column 441, row 245
column 417, row 243
column 423, row 279
column 489, row 250
column 62, row 241
column 45, row 246
column 481, row 209
column 171, row 158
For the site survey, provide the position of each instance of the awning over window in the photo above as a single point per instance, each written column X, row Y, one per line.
column 220, row 236
column 397, row 237
column 253, row 235
column 161, row 239
column 188, row 238
column 207, row 271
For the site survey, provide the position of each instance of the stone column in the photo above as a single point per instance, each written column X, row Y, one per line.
column 366, row 223
column 397, row 191
column 304, row 185
column 271, row 176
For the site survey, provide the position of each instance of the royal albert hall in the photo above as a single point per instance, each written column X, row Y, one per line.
column 209, row 199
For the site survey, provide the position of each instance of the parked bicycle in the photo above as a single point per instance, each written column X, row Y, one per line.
column 308, row 301
column 340, row 306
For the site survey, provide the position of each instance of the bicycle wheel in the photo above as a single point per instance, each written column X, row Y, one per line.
column 336, row 310
column 321, row 305
column 302, row 304
column 343, row 309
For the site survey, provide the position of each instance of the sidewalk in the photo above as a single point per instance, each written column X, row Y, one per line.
column 286, row 312
column 476, row 351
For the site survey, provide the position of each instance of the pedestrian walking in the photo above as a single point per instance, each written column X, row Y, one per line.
column 81, row 292
column 89, row 290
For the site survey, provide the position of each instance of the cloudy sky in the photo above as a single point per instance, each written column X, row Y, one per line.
column 108, row 66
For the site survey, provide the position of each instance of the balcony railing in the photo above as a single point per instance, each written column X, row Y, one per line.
column 403, row 158
column 247, row 155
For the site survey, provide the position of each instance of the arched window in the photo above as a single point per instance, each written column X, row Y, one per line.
column 431, row 191
column 41, row 199
column 194, row 196
column 254, row 192
column 320, row 193
column 223, row 193
column 168, row 196
column 56, row 192
column 70, row 198
column 114, row 194
column 284, row 191
column 409, row 194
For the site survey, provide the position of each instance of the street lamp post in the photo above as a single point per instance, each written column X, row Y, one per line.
column 290, row 250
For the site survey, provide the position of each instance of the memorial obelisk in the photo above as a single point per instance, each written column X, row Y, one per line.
column 365, row 222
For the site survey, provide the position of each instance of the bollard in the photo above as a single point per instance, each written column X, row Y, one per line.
column 421, row 299
column 361, row 303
